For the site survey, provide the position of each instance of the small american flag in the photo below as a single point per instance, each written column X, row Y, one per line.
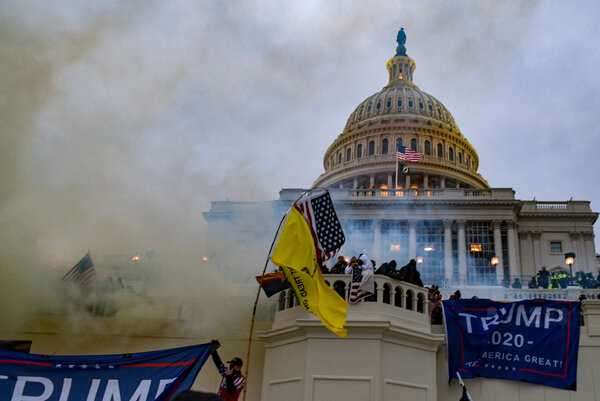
column 317, row 208
column 409, row 155
column 83, row 273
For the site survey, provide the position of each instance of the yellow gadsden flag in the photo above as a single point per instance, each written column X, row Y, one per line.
column 295, row 254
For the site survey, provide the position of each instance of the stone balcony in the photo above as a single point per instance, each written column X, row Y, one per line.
column 396, row 303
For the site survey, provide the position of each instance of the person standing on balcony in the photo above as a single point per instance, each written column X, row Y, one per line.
column 544, row 277
column 339, row 266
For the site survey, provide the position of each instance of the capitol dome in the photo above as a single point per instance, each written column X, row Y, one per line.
column 401, row 115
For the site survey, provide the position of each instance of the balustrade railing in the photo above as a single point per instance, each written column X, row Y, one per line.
column 387, row 291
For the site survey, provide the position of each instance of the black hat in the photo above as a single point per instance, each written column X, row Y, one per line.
column 236, row 361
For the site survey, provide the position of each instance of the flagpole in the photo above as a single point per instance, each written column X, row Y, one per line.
column 253, row 318
column 396, row 187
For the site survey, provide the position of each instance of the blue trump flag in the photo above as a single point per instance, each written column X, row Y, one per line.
column 533, row 341
column 147, row 376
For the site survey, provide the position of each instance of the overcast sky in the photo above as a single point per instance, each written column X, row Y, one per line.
column 123, row 120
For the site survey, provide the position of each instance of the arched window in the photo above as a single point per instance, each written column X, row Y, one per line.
column 427, row 147
column 468, row 161
column 359, row 151
column 413, row 144
column 371, row 148
column 378, row 105
column 451, row 154
column 282, row 300
column 388, row 104
column 399, row 103
column 398, row 144
column 348, row 154
column 384, row 146
column 339, row 157
column 440, row 150
column 291, row 298
column 460, row 159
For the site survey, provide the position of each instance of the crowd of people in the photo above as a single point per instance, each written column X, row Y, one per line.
column 407, row 273
column 558, row 279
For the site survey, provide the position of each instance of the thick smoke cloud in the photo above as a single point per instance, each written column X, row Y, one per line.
column 120, row 122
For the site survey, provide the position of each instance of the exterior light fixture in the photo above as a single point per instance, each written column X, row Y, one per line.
column 495, row 260
column 570, row 261
column 205, row 258
column 395, row 247
column 419, row 259
column 136, row 258
column 476, row 248
column 428, row 248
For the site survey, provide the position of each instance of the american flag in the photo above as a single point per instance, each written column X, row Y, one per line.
column 407, row 154
column 317, row 208
column 358, row 291
column 83, row 273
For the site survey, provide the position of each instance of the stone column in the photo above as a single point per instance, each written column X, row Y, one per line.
column 574, row 237
column 498, row 252
column 512, row 251
column 443, row 182
column 377, row 240
column 448, row 250
column 372, row 181
column 355, row 183
column 537, row 250
column 407, row 181
column 390, row 181
column 590, row 249
column 412, row 239
column 584, row 262
column 425, row 181
column 462, row 253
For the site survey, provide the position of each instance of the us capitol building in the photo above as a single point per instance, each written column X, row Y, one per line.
column 442, row 211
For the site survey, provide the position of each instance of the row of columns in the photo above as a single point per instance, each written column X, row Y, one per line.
column 462, row 248
column 391, row 183
column 580, row 243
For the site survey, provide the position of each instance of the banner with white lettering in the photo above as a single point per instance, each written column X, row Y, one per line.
column 533, row 341
column 147, row 376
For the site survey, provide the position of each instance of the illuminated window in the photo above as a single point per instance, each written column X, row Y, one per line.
column 475, row 248
column 480, row 240
column 384, row 146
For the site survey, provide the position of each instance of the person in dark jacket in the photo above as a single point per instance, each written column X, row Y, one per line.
column 544, row 278
column 517, row 283
column 339, row 266
column 410, row 274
